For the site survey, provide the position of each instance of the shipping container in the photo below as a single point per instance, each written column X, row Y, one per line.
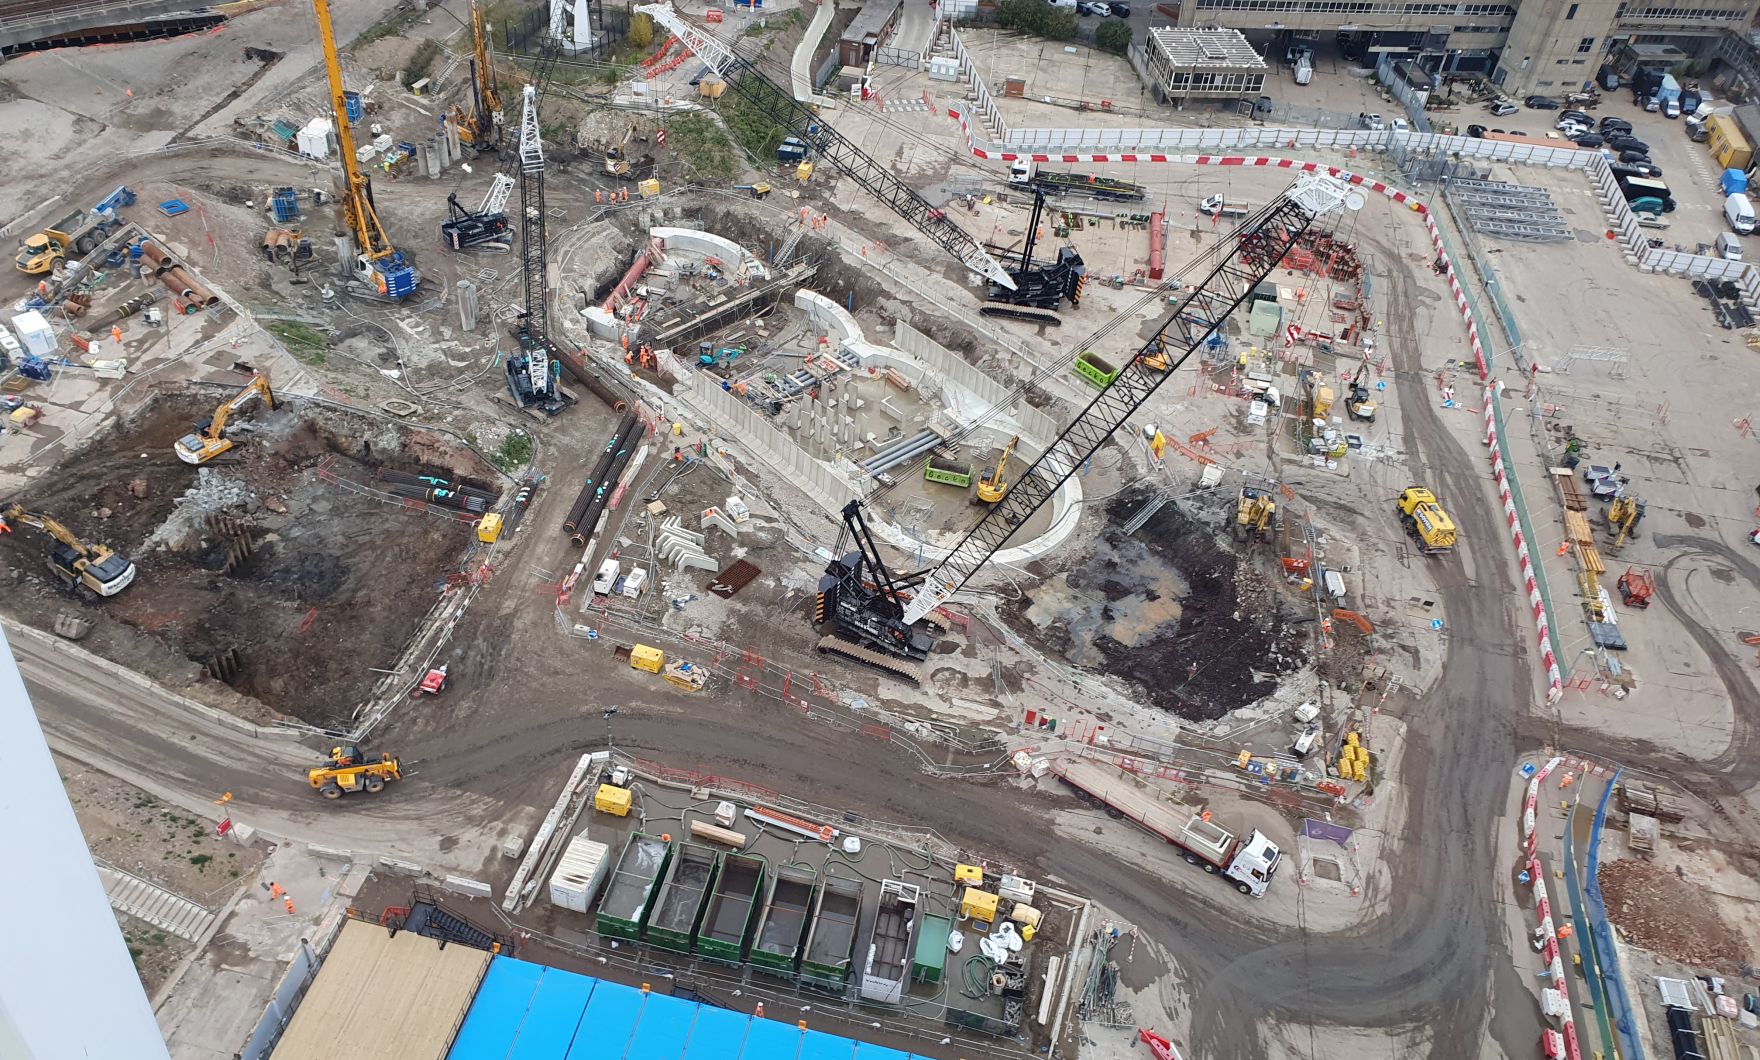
column 683, row 892
column 831, row 934
column 629, row 894
column 733, row 906
column 782, row 923
column 1727, row 143
column 579, row 872
column 887, row 962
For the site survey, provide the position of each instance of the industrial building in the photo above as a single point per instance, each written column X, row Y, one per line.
column 1203, row 64
column 1528, row 46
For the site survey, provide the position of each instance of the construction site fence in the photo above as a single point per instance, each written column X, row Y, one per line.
column 1490, row 284
column 1503, row 462
column 1410, row 99
column 282, row 1003
column 812, row 695
column 913, row 836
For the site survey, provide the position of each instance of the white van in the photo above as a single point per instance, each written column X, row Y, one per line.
column 1739, row 212
column 1729, row 246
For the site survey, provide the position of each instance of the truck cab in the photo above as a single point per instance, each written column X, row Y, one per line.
column 1218, row 204
column 1254, row 864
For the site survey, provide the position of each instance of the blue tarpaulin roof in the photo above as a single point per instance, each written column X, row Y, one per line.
column 526, row 1011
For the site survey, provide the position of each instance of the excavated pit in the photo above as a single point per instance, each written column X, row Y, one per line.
column 1199, row 629
column 261, row 586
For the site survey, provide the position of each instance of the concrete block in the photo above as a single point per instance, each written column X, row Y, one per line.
column 715, row 518
column 461, row 885
column 401, row 868
column 698, row 561
column 242, row 834
column 330, row 852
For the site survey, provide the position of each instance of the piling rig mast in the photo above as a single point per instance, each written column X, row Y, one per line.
column 379, row 270
column 532, row 371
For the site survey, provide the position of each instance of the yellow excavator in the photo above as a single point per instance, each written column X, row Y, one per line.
column 617, row 155
column 350, row 769
column 207, row 442
column 1255, row 514
column 91, row 570
column 993, row 484
column 1623, row 516
column 1361, row 403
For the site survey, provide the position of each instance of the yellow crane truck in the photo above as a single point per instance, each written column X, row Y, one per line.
column 1425, row 520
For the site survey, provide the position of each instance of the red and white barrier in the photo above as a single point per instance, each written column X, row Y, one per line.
column 1561, row 1044
column 1554, row 675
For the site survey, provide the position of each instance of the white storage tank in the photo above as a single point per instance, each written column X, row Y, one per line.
column 575, row 883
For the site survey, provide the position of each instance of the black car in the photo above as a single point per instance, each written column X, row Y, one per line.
column 1541, row 103
column 1475, row 130
column 1587, row 140
column 1121, row 10
column 1628, row 143
column 1629, row 157
column 1576, row 116
column 1611, row 122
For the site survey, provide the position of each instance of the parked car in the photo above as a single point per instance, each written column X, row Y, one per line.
column 1084, row 7
column 1541, row 103
column 1576, row 116
column 1120, row 10
column 1573, row 129
column 1263, row 106
column 1628, row 143
column 1646, row 168
column 1373, row 122
column 1475, row 130
column 1400, row 125
column 1501, row 107
column 1629, row 157
column 1609, row 124
column 1696, row 131
column 1652, row 105
column 1587, row 140
column 1671, row 109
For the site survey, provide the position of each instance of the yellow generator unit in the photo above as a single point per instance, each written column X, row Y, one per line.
column 1425, row 520
column 489, row 528
column 803, row 172
column 978, row 905
column 612, row 799
column 643, row 657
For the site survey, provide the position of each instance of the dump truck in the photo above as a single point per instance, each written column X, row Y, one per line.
column 1247, row 861
column 1425, row 520
column 78, row 234
column 350, row 769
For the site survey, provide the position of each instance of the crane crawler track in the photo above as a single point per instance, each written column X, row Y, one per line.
column 910, row 671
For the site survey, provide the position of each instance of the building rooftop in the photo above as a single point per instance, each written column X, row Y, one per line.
column 529, row 1010
column 1207, row 49
column 402, row 992
column 870, row 20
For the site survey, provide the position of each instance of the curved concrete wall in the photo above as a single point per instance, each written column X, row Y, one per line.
column 711, row 245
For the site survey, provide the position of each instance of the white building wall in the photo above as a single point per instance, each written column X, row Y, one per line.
column 67, row 986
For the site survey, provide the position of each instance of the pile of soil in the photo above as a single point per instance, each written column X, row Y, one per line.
column 333, row 582
column 1658, row 910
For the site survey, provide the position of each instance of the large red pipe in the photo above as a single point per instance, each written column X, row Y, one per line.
column 1157, row 226
column 621, row 291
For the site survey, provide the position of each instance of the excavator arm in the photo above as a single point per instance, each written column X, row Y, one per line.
column 258, row 387
column 15, row 513
column 1241, row 262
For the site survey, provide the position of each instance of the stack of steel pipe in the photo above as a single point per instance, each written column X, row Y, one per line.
column 590, row 518
column 619, row 437
column 581, row 373
column 386, row 474
column 174, row 278
column 434, row 495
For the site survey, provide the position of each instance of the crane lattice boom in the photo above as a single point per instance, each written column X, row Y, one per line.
column 1243, row 261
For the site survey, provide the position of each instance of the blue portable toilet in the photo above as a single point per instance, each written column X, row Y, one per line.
column 1733, row 182
column 285, row 203
column 351, row 105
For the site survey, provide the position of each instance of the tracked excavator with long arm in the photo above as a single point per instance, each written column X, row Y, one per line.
column 877, row 614
column 209, row 440
column 91, row 570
